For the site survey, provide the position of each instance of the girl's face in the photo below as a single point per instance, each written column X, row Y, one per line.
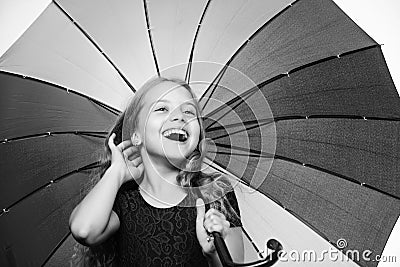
column 168, row 123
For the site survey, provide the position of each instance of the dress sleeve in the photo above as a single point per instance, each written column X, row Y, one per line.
column 121, row 199
column 234, row 218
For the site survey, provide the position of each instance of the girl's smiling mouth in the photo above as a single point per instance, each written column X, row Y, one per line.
column 180, row 135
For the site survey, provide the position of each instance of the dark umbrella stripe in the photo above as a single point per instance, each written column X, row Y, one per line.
column 367, row 151
column 90, row 166
column 248, row 125
column 34, row 227
column 318, row 90
column 30, row 111
column 343, row 86
column 62, row 253
column 67, row 90
column 30, row 107
column 306, row 32
column 24, row 168
column 364, row 150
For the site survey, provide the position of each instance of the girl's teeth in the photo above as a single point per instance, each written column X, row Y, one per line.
column 176, row 134
column 176, row 131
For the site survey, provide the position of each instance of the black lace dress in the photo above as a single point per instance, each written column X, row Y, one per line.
column 150, row 236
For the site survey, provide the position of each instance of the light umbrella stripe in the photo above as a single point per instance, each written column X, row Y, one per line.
column 95, row 45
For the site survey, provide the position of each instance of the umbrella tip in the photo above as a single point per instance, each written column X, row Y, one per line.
column 274, row 244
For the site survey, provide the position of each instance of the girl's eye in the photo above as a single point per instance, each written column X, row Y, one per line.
column 161, row 109
column 190, row 112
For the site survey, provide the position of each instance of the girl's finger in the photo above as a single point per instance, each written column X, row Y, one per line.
column 131, row 152
column 214, row 213
column 140, row 168
column 111, row 141
column 216, row 228
column 215, row 221
column 136, row 172
column 124, row 144
column 137, row 161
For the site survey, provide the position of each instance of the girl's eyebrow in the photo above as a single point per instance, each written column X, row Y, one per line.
column 167, row 101
column 157, row 101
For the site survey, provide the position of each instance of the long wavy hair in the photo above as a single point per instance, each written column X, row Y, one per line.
column 212, row 187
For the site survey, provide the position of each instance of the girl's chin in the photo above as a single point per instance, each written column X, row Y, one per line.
column 177, row 150
column 178, row 163
column 174, row 157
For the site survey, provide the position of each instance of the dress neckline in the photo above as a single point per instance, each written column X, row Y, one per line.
column 159, row 208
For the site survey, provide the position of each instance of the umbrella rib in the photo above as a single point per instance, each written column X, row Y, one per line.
column 249, row 40
column 189, row 67
column 242, row 99
column 95, row 45
column 253, row 124
column 85, row 133
column 69, row 91
column 214, row 83
column 90, row 166
column 56, row 248
column 146, row 13
column 222, row 169
column 255, row 153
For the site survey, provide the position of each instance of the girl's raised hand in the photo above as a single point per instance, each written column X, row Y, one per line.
column 208, row 222
column 126, row 158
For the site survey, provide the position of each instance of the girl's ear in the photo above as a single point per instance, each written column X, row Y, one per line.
column 136, row 139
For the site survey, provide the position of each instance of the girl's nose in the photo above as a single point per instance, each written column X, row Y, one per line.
column 177, row 114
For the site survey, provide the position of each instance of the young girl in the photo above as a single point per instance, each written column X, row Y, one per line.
column 149, row 202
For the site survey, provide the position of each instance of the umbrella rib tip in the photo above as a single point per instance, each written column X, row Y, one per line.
column 6, row 210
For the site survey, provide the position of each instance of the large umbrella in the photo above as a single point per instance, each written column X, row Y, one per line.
column 298, row 103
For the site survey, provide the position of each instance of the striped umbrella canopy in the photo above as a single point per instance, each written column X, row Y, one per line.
column 298, row 104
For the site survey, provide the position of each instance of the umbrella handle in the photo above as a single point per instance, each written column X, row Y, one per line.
column 226, row 258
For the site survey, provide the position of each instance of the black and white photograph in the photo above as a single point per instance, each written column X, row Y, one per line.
column 199, row 133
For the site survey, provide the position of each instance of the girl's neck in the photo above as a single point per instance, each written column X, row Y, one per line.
column 159, row 180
